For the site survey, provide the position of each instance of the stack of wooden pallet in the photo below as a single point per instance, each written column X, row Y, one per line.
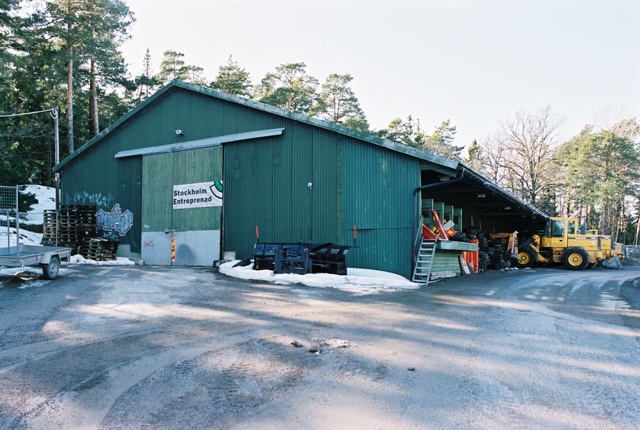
column 50, row 228
column 99, row 249
column 69, row 226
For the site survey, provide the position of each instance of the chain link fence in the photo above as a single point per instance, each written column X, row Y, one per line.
column 8, row 218
column 9, row 198
column 18, row 228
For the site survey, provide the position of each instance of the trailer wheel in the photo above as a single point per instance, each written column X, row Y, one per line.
column 527, row 257
column 50, row 271
column 575, row 258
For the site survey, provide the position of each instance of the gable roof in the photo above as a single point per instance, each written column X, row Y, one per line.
column 446, row 163
column 174, row 85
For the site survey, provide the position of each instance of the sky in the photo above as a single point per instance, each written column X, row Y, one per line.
column 473, row 62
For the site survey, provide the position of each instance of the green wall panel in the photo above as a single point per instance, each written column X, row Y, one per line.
column 286, row 185
column 129, row 197
column 378, row 186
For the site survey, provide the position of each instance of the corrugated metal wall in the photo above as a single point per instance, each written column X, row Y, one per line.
column 312, row 185
column 378, row 186
column 266, row 185
column 130, row 196
column 266, row 181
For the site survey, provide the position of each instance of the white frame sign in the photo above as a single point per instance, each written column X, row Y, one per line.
column 198, row 195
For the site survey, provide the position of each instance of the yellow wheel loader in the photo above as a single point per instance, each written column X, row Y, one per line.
column 564, row 241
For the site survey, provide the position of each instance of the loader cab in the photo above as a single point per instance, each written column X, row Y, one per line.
column 555, row 233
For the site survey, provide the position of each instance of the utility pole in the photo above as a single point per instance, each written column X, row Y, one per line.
column 56, row 176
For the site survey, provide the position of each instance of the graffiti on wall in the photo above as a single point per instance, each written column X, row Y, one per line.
column 85, row 198
column 116, row 220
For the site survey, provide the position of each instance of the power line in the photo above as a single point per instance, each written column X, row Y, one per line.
column 11, row 115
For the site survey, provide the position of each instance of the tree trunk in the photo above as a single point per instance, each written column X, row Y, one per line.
column 70, row 99
column 70, row 80
column 94, row 99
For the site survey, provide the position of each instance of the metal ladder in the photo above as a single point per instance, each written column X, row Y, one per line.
column 424, row 262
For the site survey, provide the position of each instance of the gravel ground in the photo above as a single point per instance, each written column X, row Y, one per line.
column 131, row 347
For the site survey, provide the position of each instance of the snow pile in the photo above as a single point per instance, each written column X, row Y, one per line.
column 120, row 261
column 45, row 200
column 46, row 197
column 26, row 237
column 357, row 281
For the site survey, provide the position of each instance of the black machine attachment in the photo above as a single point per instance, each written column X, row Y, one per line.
column 301, row 258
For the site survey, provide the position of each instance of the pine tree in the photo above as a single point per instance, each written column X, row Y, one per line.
column 88, row 32
column 105, row 26
column 338, row 103
column 7, row 24
column 408, row 132
column 601, row 173
column 289, row 87
column 233, row 79
column 173, row 67
column 474, row 156
column 146, row 83
column 441, row 141
column 170, row 67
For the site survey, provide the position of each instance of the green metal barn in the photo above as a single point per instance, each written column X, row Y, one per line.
column 161, row 171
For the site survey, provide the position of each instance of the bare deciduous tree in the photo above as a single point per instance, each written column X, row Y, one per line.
column 519, row 156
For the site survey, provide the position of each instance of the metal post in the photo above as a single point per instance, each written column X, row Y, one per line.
column 56, row 176
column 17, row 215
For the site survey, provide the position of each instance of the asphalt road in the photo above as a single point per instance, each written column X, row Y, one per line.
column 182, row 348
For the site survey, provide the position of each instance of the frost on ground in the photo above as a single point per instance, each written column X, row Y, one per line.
column 357, row 281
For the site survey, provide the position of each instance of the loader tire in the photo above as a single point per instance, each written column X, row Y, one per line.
column 527, row 257
column 575, row 258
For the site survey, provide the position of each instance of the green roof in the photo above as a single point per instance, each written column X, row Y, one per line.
column 366, row 137
column 173, row 85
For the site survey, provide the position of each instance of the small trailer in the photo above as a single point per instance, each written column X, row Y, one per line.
column 47, row 257
column 15, row 254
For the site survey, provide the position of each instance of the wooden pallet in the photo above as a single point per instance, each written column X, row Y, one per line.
column 70, row 225
column 99, row 249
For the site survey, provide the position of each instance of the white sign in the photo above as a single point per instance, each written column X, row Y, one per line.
column 200, row 195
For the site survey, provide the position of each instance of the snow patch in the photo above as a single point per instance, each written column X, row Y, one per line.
column 357, row 281
column 120, row 261
column 26, row 237
column 46, row 197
